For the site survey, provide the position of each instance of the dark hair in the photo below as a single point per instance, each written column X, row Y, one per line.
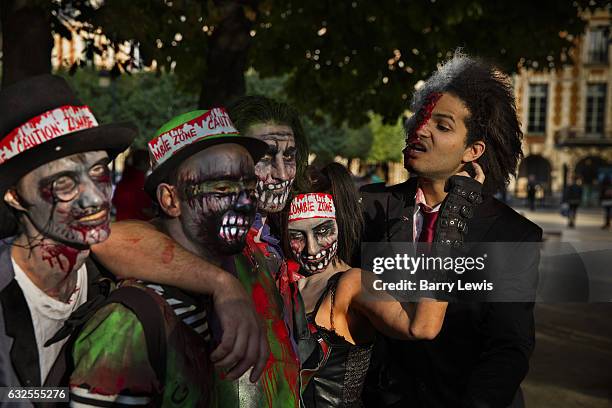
column 336, row 180
column 251, row 110
column 488, row 95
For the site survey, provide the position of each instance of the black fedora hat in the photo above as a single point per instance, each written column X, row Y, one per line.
column 187, row 134
column 42, row 120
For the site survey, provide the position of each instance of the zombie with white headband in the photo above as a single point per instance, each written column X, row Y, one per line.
column 316, row 251
column 56, row 190
column 203, row 180
column 323, row 227
column 268, row 279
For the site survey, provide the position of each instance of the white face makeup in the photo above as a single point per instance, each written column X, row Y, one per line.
column 276, row 169
column 314, row 242
column 68, row 200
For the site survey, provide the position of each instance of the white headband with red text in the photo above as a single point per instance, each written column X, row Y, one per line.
column 312, row 205
column 47, row 126
column 215, row 122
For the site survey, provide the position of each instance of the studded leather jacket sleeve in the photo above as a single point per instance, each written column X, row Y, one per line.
column 464, row 194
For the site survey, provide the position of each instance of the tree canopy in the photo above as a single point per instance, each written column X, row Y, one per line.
column 341, row 59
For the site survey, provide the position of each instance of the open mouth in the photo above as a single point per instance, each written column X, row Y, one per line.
column 273, row 193
column 261, row 186
column 234, row 227
column 417, row 147
column 320, row 260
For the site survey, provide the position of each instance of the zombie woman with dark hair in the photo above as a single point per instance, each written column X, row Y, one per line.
column 323, row 228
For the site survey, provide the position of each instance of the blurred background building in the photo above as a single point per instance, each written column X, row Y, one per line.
column 567, row 118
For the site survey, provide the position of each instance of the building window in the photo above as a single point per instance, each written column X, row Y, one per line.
column 597, row 48
column 595, row 108
column 538, row 98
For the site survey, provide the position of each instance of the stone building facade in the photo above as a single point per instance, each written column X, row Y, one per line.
column 566, row 115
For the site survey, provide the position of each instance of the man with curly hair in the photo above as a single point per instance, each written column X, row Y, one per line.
column 462, row 145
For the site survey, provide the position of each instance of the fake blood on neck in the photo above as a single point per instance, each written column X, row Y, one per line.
column 60, row 256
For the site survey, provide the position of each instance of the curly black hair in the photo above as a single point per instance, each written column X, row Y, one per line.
column 489, row 97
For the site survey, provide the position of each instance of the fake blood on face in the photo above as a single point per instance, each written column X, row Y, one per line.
column 426, row 110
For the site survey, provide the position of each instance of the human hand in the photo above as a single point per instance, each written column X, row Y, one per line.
column 244, row 342
column 479, row 176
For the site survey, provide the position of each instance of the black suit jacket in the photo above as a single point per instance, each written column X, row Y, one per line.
column 482, row 352
column 19, row 359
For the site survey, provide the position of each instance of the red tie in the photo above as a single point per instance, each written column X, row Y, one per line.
column 429, row 222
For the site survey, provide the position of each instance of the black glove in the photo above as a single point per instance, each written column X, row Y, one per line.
column 464, row 194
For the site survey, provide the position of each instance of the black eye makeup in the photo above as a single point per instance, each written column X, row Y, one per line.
column 325, row 228
column 296, row 235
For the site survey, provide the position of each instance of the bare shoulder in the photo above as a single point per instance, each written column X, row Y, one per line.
column 350, row 283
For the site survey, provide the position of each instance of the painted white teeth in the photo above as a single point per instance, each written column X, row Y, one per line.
column 320, row 266
column 233, row 231
column 275, row 201
column 270, row 186
column 232, row 220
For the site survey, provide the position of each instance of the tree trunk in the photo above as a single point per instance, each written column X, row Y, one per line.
column 26, row 40
column 226, row 60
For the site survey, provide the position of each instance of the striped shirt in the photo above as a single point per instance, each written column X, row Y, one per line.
column 192, row 313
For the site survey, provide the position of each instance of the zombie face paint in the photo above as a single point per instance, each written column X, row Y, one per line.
column 68, row 200
column 314, row 242
column 276, row 170
column 436, row 142
column 218, row 204
column 313, row 231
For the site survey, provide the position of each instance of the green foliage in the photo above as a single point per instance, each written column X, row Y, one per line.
column 272, row 87
column 146, row 99
column 327, row 140
column 348, row 58
column 358, row 142
column 344, row 58
column 149, row 100
column 388, row 140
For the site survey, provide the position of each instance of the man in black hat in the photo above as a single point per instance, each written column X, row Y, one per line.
column 56, row 189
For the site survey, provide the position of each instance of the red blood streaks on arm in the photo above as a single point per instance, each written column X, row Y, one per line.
column 168, row 253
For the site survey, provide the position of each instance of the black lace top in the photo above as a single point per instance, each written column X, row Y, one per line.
column 339, row 380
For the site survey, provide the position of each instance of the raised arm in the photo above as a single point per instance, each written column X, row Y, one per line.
column 412, row 321
column 137, row 249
